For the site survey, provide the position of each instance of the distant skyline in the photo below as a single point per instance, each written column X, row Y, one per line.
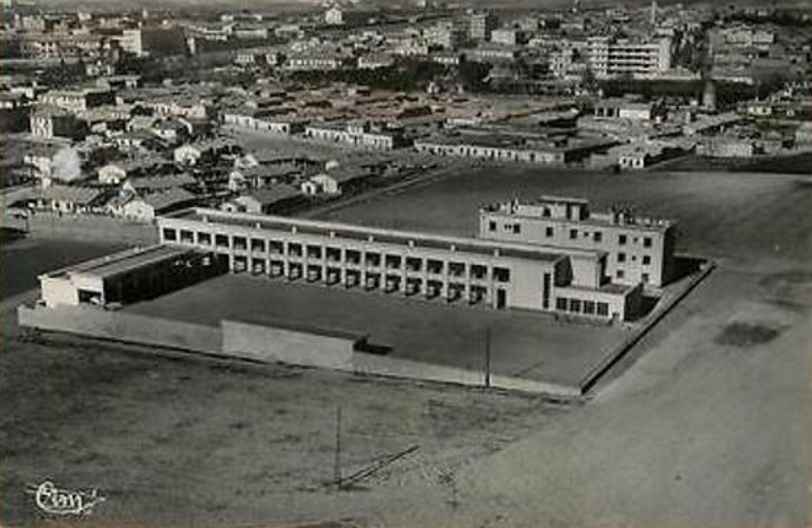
column 112, row 5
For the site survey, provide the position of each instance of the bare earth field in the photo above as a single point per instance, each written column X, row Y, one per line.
column 523, row 344
column 725, row 215
column 705, row 423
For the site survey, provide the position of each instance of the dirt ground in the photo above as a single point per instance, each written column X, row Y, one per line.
column 705, row 423
column 179, row 440
column 740, row 216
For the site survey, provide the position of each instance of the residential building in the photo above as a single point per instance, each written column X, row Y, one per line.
column 610, row 57
column 481, row 24
column 49, row 122
column 356, row 135
column 115, row 172
column 623, row 108
column 78, row 100
column 71, row 198
column 278, row 198
column 205, row 150
column 334, row 16
column 522, row 147
column 508, row 37
column 490, row 53
column 446, row 35
column 145, row 207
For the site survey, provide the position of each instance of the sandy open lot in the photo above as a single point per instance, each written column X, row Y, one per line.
column 739, row 216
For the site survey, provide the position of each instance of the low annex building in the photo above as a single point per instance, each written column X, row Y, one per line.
column 492, row 273
column 127, row 276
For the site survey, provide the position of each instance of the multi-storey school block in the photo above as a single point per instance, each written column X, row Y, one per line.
column 498, row 274
column 638, row 249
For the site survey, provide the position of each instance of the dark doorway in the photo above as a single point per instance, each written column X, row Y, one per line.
column 501, row 299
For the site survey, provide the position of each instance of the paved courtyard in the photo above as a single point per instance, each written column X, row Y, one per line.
column 523, row 344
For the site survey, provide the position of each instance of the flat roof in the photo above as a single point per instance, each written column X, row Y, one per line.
column 363, row 233
column 124, row 261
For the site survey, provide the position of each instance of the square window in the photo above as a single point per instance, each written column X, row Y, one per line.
column 170, row 234
column 561, row 304
column 573, row 234
column 646, row 278
column 621, row 257
column 549, row 231
column 603, row 308
column 575, row 305
column 646, row 241
column 646, row 260
column 589, row 307
column 597, row 236
column 620, row 274
column 621, row 240
column 501, row 274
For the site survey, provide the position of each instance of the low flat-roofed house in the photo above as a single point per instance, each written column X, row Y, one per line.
column 336, row 181
column 116, row 172
column 160, row 183
column 78, row 100
column 127, row 276
column 278, row 198
column 71, row 198
column 260, row 176
column 141, row 122
column 204, row 150
column 639, row 155
column 41, row 157
column 373, row 61
column 137, row 139
column 172, row 130
column 447, row 58
column 50, row 121
column 803, row 134
column 621, row 108
column 145, row 207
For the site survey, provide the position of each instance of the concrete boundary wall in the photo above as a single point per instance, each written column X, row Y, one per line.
column 273, row 343
column 120, row 326
column 309, row 347
column 589, row 381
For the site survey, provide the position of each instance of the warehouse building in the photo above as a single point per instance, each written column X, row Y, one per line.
column 469, row 271
column 640, row 250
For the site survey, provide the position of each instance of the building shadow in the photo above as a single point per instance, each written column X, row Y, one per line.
column 686, row 265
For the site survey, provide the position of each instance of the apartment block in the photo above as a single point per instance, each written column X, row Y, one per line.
column 481, row 24
column 610, row 57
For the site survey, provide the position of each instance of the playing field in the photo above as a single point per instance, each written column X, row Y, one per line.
column 749, row 217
